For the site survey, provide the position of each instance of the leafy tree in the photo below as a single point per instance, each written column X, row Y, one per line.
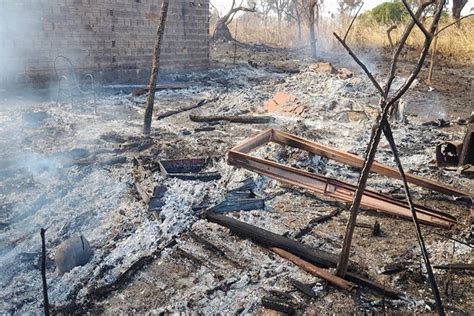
column 348, row 7
column 389, row 12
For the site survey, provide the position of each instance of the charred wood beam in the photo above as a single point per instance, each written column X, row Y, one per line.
column 314, row 270
column 278, row 304
column 141, row 179
column 314, row 256
column 243, row 119
column 303, row 288
column 239, row 205
column 456, row 266
column 199, row 262
column 269, row 240
column 155, row 68
column 207, row 244
column 185, row 109
column 315, row 221
column 394, row 268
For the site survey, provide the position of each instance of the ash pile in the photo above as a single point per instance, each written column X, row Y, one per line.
column 237, row 203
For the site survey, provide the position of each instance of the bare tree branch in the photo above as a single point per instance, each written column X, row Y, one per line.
column 427, row 44
column 415, row 19
column 360, row 63
column 401, row 44
column 215, row 8
column 451, row 24
column 383, row 125
column 389, row 31
column 352, row 22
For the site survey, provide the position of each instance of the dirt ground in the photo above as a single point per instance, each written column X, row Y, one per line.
column 207, row 269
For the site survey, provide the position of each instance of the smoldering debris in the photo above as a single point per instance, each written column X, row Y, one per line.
column 55, row 173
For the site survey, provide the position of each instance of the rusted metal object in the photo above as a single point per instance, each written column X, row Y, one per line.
column 448, row 154
column 467, row 155
column 239, row 156
column 314, row 270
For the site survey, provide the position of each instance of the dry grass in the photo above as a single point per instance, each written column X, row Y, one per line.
column 455, row 45
column 254, row 30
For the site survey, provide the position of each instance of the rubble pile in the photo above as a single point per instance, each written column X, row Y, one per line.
column 83, row 168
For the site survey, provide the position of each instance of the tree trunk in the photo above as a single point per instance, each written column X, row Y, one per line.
column 279, row 24
column 312, row 35
column 458, row 5
column 299, row 30
column 222, row 31
column 155, row 68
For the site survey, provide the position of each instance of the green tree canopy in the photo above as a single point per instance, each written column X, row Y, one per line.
column 389, row 12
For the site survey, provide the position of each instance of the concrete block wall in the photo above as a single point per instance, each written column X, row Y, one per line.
column 100, row 36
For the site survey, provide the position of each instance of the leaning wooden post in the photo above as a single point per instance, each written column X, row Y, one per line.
column 43, row 272
column 154, row 69
column 432, row 59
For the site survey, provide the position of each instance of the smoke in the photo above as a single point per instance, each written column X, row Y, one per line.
column 18, row 25
column 30, row 41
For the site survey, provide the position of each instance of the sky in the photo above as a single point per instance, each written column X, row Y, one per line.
column 330, row 6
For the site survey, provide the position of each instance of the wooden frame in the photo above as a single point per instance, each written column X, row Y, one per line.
column 240, row 156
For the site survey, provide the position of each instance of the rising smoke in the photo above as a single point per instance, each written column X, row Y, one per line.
column 17, row 28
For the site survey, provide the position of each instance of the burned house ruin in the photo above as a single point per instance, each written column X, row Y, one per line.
column 274, row 181
column 112, row 39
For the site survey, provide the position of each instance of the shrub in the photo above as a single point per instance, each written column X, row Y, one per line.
column 389, row 12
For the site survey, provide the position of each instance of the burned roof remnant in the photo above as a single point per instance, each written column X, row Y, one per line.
column 188, row 169
column 240, row 156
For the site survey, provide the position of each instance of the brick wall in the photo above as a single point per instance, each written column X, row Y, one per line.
column 115, row 36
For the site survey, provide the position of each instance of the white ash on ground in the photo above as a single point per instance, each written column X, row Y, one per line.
column 60, row 170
